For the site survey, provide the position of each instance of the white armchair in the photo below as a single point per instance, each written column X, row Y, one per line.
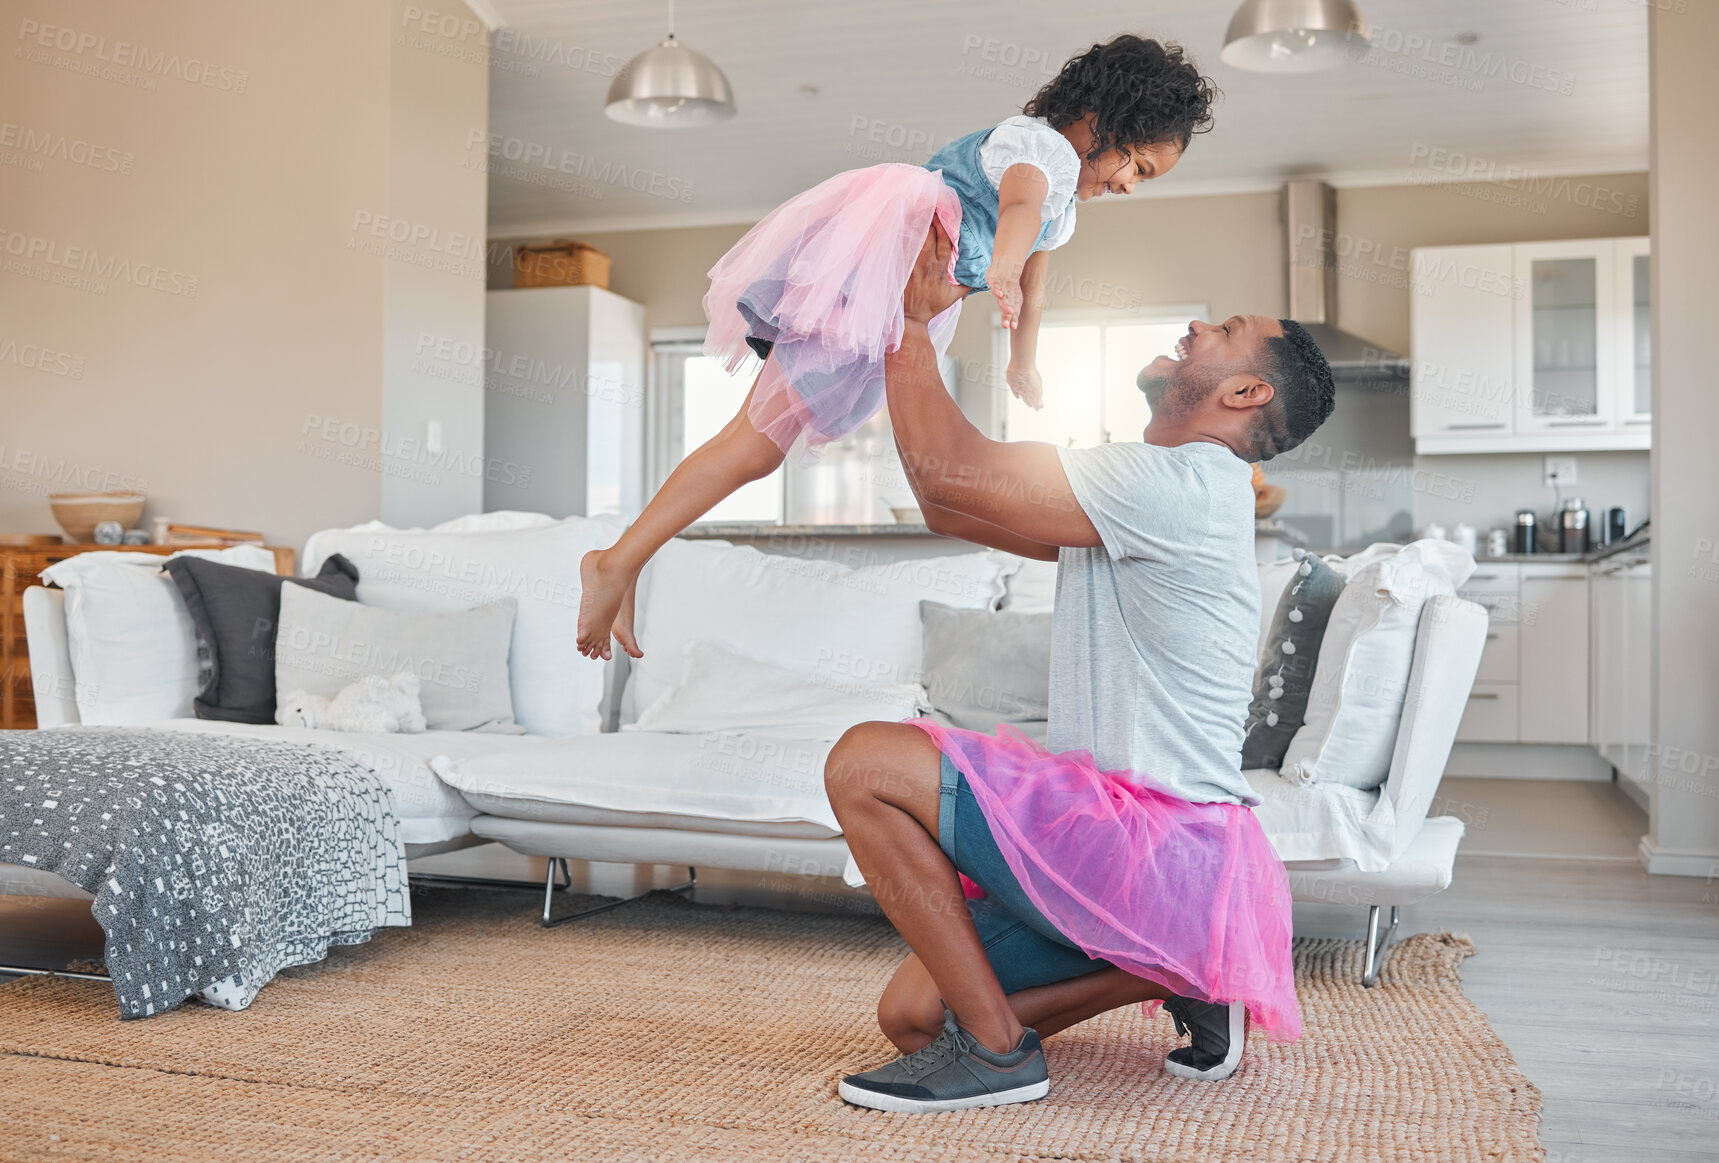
column 1379, row 849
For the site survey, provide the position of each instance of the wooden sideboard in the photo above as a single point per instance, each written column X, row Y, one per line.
column 21, row 566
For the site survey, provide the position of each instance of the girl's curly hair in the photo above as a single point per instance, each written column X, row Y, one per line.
column 1139, row 92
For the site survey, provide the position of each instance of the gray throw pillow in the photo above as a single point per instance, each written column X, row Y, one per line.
column 234, row 612
column 1288, row 657
column 460, row 658
column 983, row 668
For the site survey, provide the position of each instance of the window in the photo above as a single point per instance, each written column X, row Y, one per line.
column 698, row 398
column 856, row 480
column 1088, row 361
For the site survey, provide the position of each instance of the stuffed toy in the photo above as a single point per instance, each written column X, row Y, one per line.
column 373, row 704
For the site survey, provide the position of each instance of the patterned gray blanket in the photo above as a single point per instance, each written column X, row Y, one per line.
column 216, row 860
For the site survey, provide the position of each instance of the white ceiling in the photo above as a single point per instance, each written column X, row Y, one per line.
column 919, row 72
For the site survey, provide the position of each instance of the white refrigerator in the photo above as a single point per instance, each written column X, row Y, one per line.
column 564, row 402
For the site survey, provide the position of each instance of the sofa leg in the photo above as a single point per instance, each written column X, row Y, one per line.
column 1377, row 944
column 23, row 971
column 549, row 888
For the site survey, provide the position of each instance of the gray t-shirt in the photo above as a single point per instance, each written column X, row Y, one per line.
column 1153, row 641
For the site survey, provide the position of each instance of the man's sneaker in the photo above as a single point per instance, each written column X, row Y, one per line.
column 1219, row 1033
column 952, row 1072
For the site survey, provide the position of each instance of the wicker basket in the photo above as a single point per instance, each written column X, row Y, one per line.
column 563, row 263
column 79, row 513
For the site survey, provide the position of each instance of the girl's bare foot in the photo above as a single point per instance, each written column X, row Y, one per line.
column 623, row 630
column 604, row 594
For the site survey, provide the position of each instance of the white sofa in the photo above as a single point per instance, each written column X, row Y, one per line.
column 752, row 799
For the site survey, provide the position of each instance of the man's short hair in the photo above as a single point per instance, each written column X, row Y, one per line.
column 1303, row 392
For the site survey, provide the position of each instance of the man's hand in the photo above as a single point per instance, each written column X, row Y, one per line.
column 929, row 292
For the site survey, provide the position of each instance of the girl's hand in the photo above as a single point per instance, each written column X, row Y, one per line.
column 1005, row 283
column 1024, row 382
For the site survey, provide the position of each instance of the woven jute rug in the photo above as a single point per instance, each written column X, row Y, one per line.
column 670, row 1030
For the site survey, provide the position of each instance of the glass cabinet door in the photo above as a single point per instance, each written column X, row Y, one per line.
column 1635, row 338
column 1564, row 337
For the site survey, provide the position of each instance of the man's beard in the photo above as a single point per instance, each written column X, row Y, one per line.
column 1175, row 392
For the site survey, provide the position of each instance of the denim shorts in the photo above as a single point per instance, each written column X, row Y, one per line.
column 1023, row 947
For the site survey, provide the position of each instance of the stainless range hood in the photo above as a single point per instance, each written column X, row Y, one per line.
column 1310, row 229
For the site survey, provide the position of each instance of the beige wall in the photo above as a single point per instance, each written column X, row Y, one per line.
column 1685, row 102
column 232, row 151
column 434, row 282
column 666, row 270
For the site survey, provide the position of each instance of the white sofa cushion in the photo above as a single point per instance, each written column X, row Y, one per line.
column 716, row 782
column 555, row 690
column 1421, row 870
column 133, row 648
column 721, row 689
column 459, row 656
column 429, row 811
column 1364, row 662
column 1324, row 821
column 817, row 617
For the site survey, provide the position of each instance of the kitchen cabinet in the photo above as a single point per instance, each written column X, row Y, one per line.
column 1634, row 351
column 1565, row 340
column 1621, row 666
column 1463, row 339
column 1532, row 685
column 1530, row 347
column 1553, row 659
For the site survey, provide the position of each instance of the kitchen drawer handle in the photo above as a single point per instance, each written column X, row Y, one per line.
column 1482, row 695
column 1589, row 422
column 1492, row 637
column 1471, row 427
column 1474, row 577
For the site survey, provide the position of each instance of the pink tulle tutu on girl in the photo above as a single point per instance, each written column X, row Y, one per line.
column 1191, row 896
column 818, row 283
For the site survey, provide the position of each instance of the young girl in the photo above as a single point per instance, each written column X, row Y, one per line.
column 815, row 288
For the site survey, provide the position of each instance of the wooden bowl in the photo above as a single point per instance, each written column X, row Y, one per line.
column 1268, row 499
column 79, row 513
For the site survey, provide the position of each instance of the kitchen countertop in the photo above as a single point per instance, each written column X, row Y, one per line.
column 759, row 530
column 1636, row 541
column 1267, row 528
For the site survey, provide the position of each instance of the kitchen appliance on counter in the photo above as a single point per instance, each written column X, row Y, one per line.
column 1573, row 527
column 1522, row 539
column 1617, row 525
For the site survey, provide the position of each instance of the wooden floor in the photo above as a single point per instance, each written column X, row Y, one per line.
column 1603, row 981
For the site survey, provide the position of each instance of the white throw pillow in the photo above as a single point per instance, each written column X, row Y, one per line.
column 1362, row 678
column 133, row 648
column 817, row 617
column 722, row 689
column 555, row 690
column 500, row 521
column 1031, row 588
column 326, row 643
